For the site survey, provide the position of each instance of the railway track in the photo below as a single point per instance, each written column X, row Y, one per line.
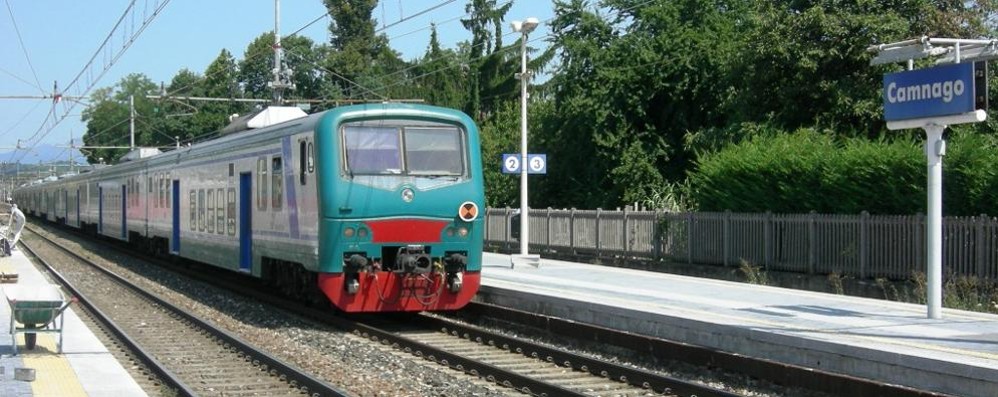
column 525, row 367
column 523, row 364
column 517, row 364
column 190, row 355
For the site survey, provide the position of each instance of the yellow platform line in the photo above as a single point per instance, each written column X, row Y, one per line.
column 54, row 377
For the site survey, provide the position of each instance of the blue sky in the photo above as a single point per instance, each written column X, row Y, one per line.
column 61, row 36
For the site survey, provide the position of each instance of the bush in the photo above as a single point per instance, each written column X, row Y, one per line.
column 811, row 171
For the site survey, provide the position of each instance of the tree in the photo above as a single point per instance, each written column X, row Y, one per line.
column 438, row 76
column 359, row 56
column 301, row 55
column 485, row 24
column 108, row 117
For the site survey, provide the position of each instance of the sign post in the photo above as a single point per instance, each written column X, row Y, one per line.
column 932, row 99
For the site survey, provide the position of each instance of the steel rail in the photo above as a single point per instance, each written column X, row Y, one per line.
column 164, row 373
column 296, row 377
column 776, row 372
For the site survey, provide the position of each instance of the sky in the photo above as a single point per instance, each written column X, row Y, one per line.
column 44, row 42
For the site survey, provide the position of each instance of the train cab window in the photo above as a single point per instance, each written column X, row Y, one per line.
column 433, row 151
column 231, row 212
column 372, row 150
column 220, row 211
column 210, row 209
column 193, row 210
column 261, row 184
column 277, row 167
column 430, row 150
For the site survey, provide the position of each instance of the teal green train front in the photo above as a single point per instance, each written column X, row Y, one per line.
column 401, row 207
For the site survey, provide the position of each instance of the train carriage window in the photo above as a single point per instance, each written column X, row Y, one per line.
column 169, row 186
column 201, row 210
column 311, row 158
column 276, row 192
column 193, row 210
column 261, row 184
column 220, row 211
column 210, row 209
column 150, row 185
column 302, row 154
column 162, row 190
column 232, row 211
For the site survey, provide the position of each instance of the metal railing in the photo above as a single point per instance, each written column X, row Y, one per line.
column 862, row 246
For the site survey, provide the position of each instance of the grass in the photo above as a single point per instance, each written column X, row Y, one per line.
column 959, row 292
column 753, row 274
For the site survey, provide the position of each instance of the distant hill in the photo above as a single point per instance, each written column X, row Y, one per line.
column 44, row 153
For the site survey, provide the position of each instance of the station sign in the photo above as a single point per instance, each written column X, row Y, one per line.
column 939, row 91
column 536, row 163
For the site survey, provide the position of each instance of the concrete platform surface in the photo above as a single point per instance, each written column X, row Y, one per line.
column 84, row 368
column 869, row 338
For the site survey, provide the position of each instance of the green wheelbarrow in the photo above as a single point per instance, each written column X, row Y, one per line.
column 38, row 309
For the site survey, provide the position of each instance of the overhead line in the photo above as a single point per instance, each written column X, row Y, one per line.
column 111, row 62
column 24, row 49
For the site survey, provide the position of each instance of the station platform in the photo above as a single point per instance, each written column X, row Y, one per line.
column 83, row 368
column 869, row 338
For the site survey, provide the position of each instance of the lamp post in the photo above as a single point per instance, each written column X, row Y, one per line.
column 524, row 27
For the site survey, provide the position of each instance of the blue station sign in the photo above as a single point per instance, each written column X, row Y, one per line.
column 939, row 91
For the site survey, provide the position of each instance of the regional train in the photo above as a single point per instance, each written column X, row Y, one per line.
column 373, row 207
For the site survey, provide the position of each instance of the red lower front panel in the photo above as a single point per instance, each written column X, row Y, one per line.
column 391, row 292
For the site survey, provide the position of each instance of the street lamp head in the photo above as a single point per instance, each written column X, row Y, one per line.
column 530, row 24
column 526, row 26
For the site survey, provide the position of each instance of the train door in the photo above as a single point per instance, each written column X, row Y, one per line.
column 245, row 225
column 65, row 206
column 77, row 207
column 100, row 209
column 124, row 212
column 175, row 236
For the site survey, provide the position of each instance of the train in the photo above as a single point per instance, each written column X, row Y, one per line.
column 370, row 207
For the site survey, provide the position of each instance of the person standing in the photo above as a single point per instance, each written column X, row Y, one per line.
column 14, row 226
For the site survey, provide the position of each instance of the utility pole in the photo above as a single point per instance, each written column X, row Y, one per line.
column 280, row 76
column 131, row 118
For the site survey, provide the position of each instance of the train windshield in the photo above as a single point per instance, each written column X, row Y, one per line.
column 404, row 150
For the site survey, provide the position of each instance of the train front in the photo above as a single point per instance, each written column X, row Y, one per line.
column 401, row 208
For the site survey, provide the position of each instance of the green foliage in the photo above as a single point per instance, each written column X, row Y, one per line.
column 439, row 77
column 501, row 190
column 970, row 174
column 301, row 55
column 810, row 171
column 359, row 56
column 108, row 116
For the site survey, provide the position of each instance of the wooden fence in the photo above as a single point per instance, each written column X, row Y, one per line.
column 863, row 246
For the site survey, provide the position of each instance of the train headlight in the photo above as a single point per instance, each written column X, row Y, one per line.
column 362, row 232
column 348, row 232
column 462, row 231
column 450, row 232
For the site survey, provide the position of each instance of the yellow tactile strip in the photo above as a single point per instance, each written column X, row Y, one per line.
column 54, row 377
